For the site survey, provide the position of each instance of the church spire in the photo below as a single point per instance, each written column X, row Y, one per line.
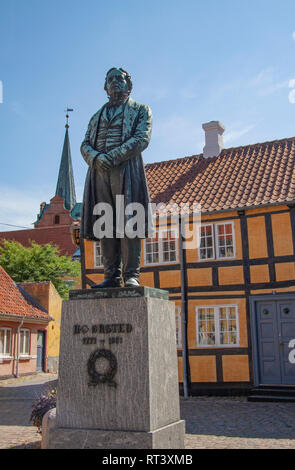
column 65, row 187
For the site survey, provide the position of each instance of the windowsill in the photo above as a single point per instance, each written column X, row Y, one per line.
column 215, row 346
column 25, row 357
column 162, row 263
column 206, row 260
column 6, row 358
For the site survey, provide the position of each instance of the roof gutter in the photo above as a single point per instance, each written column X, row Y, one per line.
column 15, row 317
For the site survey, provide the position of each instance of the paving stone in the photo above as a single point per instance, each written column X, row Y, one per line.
column 211, row 422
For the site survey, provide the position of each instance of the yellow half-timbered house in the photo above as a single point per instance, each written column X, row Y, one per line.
column 237, row 288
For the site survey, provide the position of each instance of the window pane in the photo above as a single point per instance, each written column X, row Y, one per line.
column 228, row 325
column 229, row 251
column 98, row 254
column 206, row 326
column 173, row 256
column 149, row 258
column 228, row 228
column 168, row 246
column 232, row 312
column 208, row 230
column 223, row 325
column 8, row 341
column 27, row 342
column 224, row 338
column 203, row 253
column 206, row 242
column 209, row 253
column 202, row 314
column 21, row 347
column 152, row 248
column 155, row 258
column 225, row 240
column 222, row 252
column 1, row 341
column 166, row 256
column 222, row 312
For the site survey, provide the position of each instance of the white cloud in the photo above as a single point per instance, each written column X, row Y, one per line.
column 235, row 132
column 266, row 84
column 292, row 92
column 293, row 35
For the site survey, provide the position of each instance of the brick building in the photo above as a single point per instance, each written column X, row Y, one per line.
column 23, row 330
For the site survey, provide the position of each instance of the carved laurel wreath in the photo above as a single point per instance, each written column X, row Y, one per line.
column 97, row 377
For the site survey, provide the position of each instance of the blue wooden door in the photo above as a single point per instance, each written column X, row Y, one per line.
column 275, row 328
column 286, row 327
column 40, row 350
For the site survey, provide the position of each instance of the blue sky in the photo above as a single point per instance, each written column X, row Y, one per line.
column 191, row 62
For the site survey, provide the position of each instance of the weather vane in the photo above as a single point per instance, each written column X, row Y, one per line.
column 67, row 116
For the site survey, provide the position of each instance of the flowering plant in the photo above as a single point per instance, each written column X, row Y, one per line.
column 41, row 405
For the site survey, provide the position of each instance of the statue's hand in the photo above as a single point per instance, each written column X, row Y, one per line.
column 103, row 162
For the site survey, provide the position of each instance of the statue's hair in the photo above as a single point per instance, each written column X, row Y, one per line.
column 127, row 77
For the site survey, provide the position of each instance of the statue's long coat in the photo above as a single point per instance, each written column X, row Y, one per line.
column 136, row 134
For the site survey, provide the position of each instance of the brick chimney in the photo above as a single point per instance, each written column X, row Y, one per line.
column 213, row 138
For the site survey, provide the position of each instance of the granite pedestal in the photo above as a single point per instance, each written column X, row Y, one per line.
column 118, row 379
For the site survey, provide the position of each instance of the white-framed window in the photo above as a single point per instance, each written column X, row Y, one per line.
column 162, row 248
column 217, row 326
column 178, row 326
column 5, row 342
column 217, row 241
column 98, row 261
column 24, row 342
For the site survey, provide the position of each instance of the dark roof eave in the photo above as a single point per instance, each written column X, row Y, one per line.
column 244, row 208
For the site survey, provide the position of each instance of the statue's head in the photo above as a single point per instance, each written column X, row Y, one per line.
column 117, row 82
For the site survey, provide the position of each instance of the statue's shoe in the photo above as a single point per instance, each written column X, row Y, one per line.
column 131, row 282
column 108, row 283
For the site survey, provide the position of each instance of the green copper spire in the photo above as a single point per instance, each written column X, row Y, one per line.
column 65, row 187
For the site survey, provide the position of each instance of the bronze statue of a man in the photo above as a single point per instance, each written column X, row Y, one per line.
column 115, row 138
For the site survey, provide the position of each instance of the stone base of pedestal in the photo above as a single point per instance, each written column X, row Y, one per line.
column 118, row 379
column 168, row 437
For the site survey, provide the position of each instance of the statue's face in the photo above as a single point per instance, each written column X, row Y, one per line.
column 116, row 83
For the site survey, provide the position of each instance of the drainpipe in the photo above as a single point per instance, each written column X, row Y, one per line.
column 184, row 315
column 17, row 347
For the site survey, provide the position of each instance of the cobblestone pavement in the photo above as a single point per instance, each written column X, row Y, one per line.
column 211, row 422
column 235, row 423
column 16, row 399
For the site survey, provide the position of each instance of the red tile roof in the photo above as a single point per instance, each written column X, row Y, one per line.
column 14, row 301
column 60, row 236
column 240, row 177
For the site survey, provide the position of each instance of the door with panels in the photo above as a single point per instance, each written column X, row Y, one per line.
column 273, row 321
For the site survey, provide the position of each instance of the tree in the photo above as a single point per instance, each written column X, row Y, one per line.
column 38, row 263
